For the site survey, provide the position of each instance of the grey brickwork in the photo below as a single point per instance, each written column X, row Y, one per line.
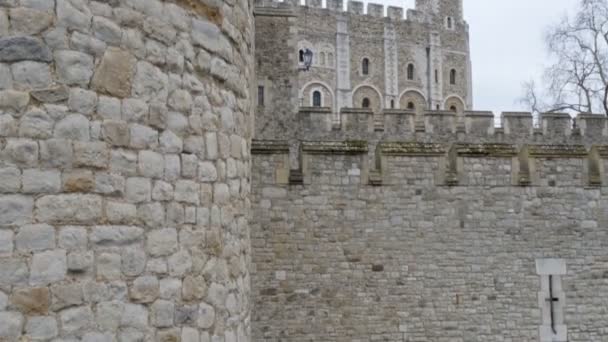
column 125, row 129
column 430, row 231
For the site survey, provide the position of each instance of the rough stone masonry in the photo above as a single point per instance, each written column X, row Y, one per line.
column 124, row 170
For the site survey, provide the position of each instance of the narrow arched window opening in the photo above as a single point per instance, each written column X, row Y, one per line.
column 410, row 72
column 316, row 99
column 392, row 104
column 365, row 66
column 411, row 106
column 453, row 109
column 453, row 76
column 301, row 56
column 450, row 23
column 365, row 103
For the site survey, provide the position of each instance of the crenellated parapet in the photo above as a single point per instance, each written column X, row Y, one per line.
column 445, row 149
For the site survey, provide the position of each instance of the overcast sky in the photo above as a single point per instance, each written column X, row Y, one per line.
column 506, row 45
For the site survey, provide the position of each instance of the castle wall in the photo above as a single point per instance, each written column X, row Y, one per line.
column 125, row 129
column 433, row 232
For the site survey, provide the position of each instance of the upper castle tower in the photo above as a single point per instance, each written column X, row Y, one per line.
column 362, row 58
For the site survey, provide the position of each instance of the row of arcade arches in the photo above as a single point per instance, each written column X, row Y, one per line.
column 318, row 94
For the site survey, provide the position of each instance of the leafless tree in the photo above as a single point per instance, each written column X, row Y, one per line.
column 577, row 81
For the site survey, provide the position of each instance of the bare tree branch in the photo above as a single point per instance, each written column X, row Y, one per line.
column 578, row 79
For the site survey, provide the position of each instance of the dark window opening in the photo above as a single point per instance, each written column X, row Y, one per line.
column 436, row 76
column 450, row 22
column 453, row 109
column 410, row 72
column 365, row 66
column 453, row 76
column 260, row 96
column 392, row 104
column 438, row 107
column 411, row 106
column 365, row 103
column 301, row 56
column 316, row 99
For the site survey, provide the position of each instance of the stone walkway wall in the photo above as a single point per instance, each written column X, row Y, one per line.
column 124, row 167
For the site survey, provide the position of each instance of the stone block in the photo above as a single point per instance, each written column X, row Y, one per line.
column 36, row 124
column 116, row 132
column 15, row 210
column 73, row 67
column 78, row 319
column 80, row 262
column 206, row 316
column 31, row 301
column 73, row 127
column 77, row 209
column 57, row 153
column 31, row 75
column 162, row 242
column 115, row 73
column 6, row 243
column 91, row 154
column 64, row 295
column 138, row 190
column 52, row 94
column 143, row 137
column 11, row 324
column 187, row 192
column 133, row 261
column 15, row 49
column 150, row 83
column 48, row 267
column 13, row 272
column 144, row 289
column 35, row 238
column 28, row 21
column 41, row 181
column 73, row 238
column 121, row 213
column 151, row 164
column 82, row 101
column 115, row 236
column 162, row 313
column 134, row 316
column 109, row 184
column 108, row 267
column 78, row 181
column 41, row 328
column 10, row 180
column 14, row 100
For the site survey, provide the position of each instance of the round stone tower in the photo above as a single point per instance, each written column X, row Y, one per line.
column 124, row 170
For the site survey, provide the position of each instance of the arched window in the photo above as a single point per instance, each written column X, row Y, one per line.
column 302, row 56
column 365, row 66
column 453, row 76
column 410, row 71
column 453, row 109
column 411, row 106
column 365, row 103
column 449, row 23
column 392, row 104
column 316, row 99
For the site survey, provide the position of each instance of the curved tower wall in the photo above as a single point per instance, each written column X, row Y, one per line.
column 124, row 170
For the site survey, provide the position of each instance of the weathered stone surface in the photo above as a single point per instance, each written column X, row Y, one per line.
column 74, row 68
column 115, row 73
column 29, row 21
column 15, row 49
column 107, row 30
column 82, row 101
column 107, row 236
column 66, row 295
column 51, row 95
column 15, row 210
column 78, row 209
column 80, row 262
column 35, row 238
column 206, row 316
column 144, row 289
column 10, row 179
column 39, row 182
column 73, row 238
column 151, row 164
column 41, row 328
column 11, row 324
column 48, row 267
column 31, row 75
column 150, row 83
column 6, row 243
column 162, row 312
column 32, row 301
column 73, row 14
column 14, row 100
column 162, row 242
column 23, row 152
column 108, row 266
column 91, row 154
column 78, row 319
column 73, row 127
column 36, row 124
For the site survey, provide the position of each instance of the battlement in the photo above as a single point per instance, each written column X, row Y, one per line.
column 446, row 125
column 455, row 150
column 353, row 8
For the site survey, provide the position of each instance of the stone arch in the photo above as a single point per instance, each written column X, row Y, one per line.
column 327, row 95
column 369, row 92
column 454, row 103
column 415, row 97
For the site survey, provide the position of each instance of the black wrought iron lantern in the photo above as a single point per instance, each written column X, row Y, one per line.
column 307, row 55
